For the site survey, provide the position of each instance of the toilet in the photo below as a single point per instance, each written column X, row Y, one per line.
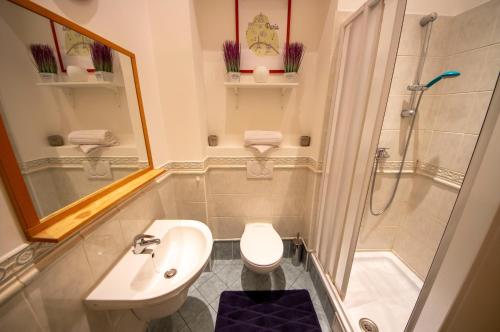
column 261, row 247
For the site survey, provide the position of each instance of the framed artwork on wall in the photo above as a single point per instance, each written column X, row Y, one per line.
column 72, row 48
column 263, row 30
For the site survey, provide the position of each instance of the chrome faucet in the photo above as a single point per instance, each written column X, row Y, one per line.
column 142, row 242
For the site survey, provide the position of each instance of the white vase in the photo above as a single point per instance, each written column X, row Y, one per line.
column 261, row 74
column 76, row 74
column 48, row 77
column 103, row 76
column 233, row 76
column 291, row 77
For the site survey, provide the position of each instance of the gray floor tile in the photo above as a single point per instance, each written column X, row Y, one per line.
column 230, row 273
column 194, row 305
column 200, row 310
column 204, row 322
column 212, row 288
column 202, row 279
column 172, row 323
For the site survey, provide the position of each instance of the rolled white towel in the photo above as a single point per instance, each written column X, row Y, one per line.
column 262, row 137
column 92, row 137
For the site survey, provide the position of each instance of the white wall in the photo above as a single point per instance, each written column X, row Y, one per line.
column 128, row 25
column 442, row 7
column 294, row 114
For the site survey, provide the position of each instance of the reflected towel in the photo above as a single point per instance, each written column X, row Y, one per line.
column 92, row 137
column 262, row 137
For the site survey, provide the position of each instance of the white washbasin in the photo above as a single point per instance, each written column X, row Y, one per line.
column 137, row 282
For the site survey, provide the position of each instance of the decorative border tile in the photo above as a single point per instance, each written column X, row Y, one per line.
column 442, row 175
column 214, row 162
column 23, row 259
column 62, row 162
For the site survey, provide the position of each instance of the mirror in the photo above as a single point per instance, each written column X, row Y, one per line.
column 69, row 108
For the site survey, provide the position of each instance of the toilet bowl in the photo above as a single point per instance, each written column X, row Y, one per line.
column 261, row 247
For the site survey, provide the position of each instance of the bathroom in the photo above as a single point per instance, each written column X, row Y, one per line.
column 361, row 186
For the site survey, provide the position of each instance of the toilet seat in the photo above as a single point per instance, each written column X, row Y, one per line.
column 261, row 247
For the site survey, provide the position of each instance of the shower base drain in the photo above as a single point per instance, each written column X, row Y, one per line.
column 367, row 325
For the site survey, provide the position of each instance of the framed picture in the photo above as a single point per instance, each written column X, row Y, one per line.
column 263, row 30
column 72, row 48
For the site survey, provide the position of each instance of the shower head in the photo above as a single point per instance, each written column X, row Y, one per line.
column 446, row 74
column 428, row 18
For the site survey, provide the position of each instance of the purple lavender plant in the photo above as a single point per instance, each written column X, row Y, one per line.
column 292, row 57
column 44, row 58
column 102, row 57
column 232, row 56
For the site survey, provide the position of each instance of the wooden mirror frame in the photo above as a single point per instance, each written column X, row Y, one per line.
column 69, row 219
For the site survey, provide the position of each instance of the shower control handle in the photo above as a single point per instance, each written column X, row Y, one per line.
column 382, row 153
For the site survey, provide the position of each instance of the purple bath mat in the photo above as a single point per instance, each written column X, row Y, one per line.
column 252, row 311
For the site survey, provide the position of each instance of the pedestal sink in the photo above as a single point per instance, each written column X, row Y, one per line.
column 155, row 284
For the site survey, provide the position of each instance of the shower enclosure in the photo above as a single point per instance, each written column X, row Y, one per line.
column 426, row 143
column 385, row 206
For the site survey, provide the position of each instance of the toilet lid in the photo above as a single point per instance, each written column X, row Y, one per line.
column 261, row 244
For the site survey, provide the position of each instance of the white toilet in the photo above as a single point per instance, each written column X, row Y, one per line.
column 261, row 247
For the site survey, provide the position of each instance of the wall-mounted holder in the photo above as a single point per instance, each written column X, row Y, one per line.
column 213, row 140
column 305, row 140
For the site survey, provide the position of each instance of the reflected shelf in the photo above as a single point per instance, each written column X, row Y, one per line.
column 73, row 85
column 269, row 85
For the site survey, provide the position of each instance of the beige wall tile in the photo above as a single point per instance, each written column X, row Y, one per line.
column 104, row 246
column 440, row 42
column 288, row 226
column 56, row 295
column 16, row 315
column 404, row 74
column 480, row 108
column 454, row 113
column 378, row 238
column 166, row 192
column 490, row 68
column 474, row 28
column 239, row 206
column 427, row 112
column 189, row 188
column 420, row 142
column 234, row 181
column 227, row 228
column 463, row 157
column 289, row 182
column 413, row 253
column 290, row 205
column 192, row 211
column 392, row 117
column 433, row 66
column 470, row 65
column 138, row 214
column 443, row 148
column 411, row 35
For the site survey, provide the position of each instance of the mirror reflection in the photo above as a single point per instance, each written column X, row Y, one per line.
column 70, row 108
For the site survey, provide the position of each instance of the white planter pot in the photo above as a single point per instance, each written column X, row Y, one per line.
column 48, row 77
column 76, row 74
column 291, row 77
column 233, row 76
column 104, row 76
column 261, row 74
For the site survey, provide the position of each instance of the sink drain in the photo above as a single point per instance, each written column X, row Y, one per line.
column 170, row 273
column 367, row 325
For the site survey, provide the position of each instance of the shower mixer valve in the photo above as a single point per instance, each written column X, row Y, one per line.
column 382, row 153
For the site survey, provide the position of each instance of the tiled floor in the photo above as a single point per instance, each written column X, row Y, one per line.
column 200, row 310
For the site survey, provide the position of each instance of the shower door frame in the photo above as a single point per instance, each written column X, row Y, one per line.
column 384, row 63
